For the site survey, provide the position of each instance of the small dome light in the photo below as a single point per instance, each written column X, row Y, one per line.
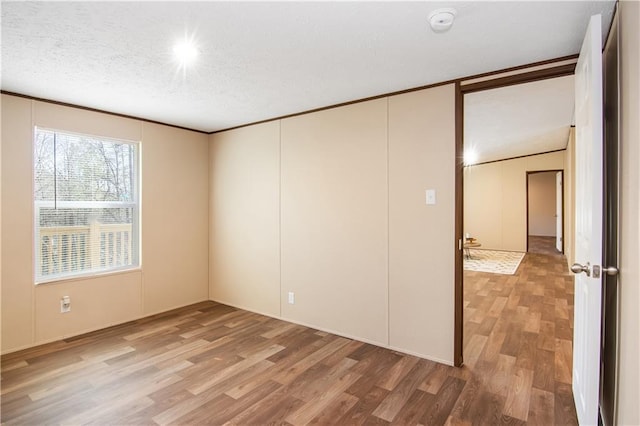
column 442, row 19
column 185, row 52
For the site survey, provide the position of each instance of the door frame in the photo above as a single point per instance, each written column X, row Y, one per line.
column 609, row 366
column 462, row 87
column 561, row 207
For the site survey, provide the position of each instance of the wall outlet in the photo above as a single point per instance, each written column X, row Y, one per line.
column 292, row 298
column 65, row 304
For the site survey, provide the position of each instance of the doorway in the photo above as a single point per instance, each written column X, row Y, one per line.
column 518, row 324
column 545, row 212
column 499, row 218
column 608, row 367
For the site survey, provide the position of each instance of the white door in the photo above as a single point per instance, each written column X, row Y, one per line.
column 559, row 195
column 588, row 235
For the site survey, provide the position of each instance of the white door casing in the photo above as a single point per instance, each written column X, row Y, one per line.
column 559, row 195
column 588, row 232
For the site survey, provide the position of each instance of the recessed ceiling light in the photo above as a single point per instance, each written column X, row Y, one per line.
column 185, row 52
column 442, row 19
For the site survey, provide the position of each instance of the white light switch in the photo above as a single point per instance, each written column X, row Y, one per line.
column 431, row 196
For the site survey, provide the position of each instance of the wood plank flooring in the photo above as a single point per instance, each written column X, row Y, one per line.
column 544, row 245
column 214, row 364
column 518, row 339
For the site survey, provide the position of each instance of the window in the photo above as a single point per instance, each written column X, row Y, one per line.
column 86, row 205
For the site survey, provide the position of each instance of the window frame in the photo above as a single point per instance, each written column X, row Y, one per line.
column 135, row 203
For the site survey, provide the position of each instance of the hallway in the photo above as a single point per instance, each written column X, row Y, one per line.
column 542, row 245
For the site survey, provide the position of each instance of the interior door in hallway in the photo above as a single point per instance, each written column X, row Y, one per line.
column 588, row 232
column 559, row 213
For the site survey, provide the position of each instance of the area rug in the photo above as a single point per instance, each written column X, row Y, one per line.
column 493, row 261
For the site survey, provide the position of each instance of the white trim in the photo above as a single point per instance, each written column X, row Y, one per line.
column 61, row 279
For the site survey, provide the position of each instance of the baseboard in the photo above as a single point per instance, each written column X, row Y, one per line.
column 341, row 334
column 94, row 329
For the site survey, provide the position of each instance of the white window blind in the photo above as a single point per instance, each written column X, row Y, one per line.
column 86, row 205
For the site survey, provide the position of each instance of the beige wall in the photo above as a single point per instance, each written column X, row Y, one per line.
column 421, row 236
column 495, row 200
column 244, row 241
column 174, row 217
column 358, row 244
column 17, row 283
column 174, row 261
column 542, row 204
column 334, row 219
column 95, row 303
column 629, row 384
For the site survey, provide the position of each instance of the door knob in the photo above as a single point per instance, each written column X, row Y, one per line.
column 611, row 270
column 576, row 268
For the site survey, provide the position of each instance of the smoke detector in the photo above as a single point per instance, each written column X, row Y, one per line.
column 442, row 19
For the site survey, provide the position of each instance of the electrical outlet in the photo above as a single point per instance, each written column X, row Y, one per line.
column 65, row 304
column 292, row 298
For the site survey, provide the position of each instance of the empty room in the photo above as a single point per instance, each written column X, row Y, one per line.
column 282, row 213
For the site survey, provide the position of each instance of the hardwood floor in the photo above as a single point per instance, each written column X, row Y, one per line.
column 214, row 364
column 518, row 339
column 544, row 245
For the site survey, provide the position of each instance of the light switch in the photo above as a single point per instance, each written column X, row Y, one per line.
column 431, row 196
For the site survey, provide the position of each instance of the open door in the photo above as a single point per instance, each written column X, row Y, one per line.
column 559, row 213
column 588, row 226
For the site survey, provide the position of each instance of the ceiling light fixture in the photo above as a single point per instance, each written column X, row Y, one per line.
column 185, row 52
column 470, row 156
column 442, row 19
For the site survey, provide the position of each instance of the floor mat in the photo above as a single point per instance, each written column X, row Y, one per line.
column 493, row 261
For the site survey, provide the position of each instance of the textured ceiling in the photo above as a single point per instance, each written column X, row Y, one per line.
column 263, row 60
column 519, row 120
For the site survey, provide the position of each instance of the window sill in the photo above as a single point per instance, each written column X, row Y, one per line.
column 88, row 276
